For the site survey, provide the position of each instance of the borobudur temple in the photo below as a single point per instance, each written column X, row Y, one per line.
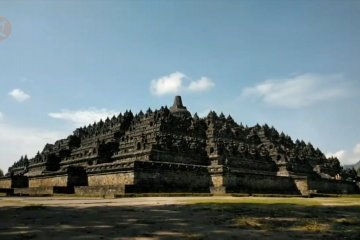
column 170, row 151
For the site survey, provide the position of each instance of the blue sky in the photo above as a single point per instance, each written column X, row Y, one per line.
column 291, row 64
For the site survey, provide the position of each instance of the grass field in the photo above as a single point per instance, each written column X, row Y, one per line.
column 336, row 217
column 180, row 218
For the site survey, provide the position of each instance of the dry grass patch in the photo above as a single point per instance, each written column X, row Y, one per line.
column 247, row 222
column 337, row 217
column 311, row 225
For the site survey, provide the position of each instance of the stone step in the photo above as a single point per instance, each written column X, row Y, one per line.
column 42, row 191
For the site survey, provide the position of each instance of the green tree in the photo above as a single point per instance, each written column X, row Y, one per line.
column 1, row 173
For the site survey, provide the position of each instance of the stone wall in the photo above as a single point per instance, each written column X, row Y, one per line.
column 170, row 177
column 111, row 178
column 146, row 176
column 34, row 191
column 253, row 164
column 258, row 183
column 100, row 191
column 14, row 182
column 176, row 157
column 332, row 186
column 38, row 167
column 5, row 182
column 49, row 181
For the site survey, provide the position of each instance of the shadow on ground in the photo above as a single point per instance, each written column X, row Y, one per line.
column 196, row 221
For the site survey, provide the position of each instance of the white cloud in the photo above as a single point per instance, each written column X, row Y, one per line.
column 201, row 85
column 19, row 95
column 1, row 116
column 83, row 117
column 16, row 141
column 298, row 91
column 356, row 150
column 347, row 156
column 174, row 84
column 339, row 154
column 169, row 84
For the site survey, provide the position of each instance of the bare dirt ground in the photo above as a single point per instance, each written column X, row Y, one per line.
column 179, row 218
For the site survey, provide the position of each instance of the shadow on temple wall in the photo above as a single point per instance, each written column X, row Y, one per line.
column 198, row 221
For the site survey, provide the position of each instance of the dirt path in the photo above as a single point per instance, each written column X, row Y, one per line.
column 178, row 218
column 90, row 202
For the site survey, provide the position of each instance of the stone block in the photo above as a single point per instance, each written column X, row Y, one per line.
column 100, row 191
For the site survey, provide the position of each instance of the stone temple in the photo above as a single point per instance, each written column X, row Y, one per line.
column 169, row 150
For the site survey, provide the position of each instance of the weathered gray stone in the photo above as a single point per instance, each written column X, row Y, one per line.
column 168, row 150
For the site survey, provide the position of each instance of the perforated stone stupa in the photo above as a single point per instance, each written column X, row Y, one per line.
column 169, row 150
